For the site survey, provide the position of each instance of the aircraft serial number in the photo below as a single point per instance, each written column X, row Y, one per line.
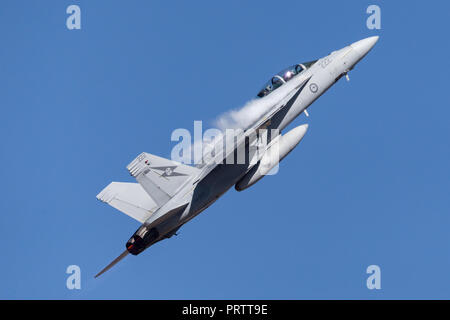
column 325, row 62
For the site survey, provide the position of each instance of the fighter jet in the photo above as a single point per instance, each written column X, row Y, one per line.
column 168, row 193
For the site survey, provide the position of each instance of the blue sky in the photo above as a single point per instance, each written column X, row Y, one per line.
column 369, row 184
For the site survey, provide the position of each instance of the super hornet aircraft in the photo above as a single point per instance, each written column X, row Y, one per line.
column 169, row 194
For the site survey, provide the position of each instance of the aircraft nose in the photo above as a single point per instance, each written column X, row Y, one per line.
column 365, row 45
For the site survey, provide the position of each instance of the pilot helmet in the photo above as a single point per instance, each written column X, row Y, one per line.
column 288, row 75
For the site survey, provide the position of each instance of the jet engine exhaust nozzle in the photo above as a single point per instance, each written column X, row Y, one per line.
column 141, row 240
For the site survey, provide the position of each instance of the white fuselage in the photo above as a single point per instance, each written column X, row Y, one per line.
column 200, row 192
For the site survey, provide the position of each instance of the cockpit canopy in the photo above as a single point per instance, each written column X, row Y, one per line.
column 283, row 76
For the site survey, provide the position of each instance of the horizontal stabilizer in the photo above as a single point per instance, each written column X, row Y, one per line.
column 130, row 198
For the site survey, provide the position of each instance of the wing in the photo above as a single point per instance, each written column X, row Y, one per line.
column 160, row 177
column 130, row 198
